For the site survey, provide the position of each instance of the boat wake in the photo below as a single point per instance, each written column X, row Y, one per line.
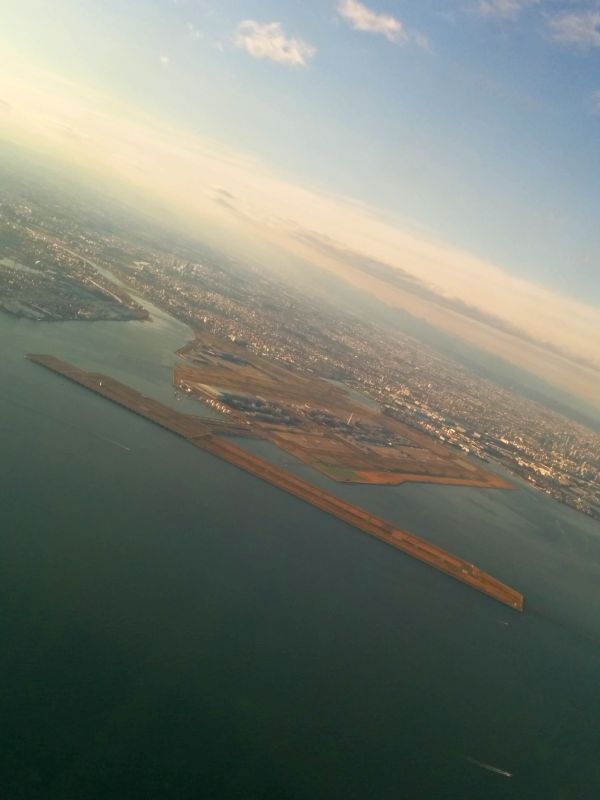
column 489, row 767
column 118, row 444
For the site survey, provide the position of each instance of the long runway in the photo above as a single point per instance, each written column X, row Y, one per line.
column 209, row 436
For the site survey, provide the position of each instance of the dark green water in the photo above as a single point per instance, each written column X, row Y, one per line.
column 172, row 628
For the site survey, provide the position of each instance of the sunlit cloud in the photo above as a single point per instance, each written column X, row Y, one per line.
column 268, row 40
column 577, row 28
column 362, row 18
column 503, row 9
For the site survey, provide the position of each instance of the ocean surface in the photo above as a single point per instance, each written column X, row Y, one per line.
column 171, row 627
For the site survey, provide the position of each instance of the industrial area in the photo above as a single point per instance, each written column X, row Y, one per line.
column 344, row 436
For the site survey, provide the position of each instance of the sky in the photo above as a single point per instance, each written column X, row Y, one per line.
column 456, row 140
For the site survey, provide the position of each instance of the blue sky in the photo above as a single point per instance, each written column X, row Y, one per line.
column 481, row 122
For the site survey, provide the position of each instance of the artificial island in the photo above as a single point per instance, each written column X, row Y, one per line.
column 342, row 435
column 338, row 435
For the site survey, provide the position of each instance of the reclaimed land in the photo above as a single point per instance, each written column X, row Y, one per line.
column 345, row 438
column 209, row 436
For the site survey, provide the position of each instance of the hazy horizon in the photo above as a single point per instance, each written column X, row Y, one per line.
column 507, row 300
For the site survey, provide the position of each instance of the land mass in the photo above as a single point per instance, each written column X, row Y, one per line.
column 203, row 434
column 345, row 437
column 42, row 281
column 65, row 258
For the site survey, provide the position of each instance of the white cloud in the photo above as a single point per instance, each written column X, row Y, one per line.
column 503, row 9
column 194, row 32
column 164, row 60
column 267, row 40
column 577, row 28
column 362, row 18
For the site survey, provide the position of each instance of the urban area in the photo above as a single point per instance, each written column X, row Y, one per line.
column 56, row 261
